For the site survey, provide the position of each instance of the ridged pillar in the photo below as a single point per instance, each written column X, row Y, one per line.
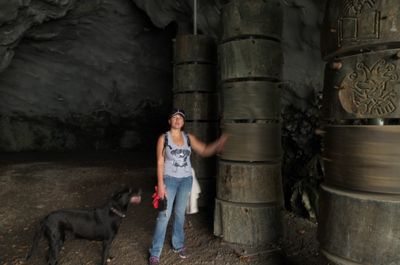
column 249, row 187
column 360, row 197
column 195, row 91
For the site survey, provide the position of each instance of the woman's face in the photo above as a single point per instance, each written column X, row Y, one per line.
column 176, row 121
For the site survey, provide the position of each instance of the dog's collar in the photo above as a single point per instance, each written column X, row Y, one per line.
column 120, row 214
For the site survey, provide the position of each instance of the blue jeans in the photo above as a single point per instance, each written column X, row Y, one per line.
column 178, row 190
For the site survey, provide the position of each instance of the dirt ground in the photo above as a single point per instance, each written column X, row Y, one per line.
column 34, row 184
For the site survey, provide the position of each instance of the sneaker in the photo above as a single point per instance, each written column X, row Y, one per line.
column 153, row 260
column 183, row 254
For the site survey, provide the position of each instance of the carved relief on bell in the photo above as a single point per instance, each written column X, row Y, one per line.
column 353, row 26
column 366, row 86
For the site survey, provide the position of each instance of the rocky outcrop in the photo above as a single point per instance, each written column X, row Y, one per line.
column 16, row 17
column 181, row 12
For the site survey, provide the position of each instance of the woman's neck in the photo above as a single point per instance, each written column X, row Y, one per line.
column 175, row 132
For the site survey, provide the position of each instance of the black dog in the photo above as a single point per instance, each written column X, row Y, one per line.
column 94, row 224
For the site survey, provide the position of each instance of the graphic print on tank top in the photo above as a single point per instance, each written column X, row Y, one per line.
column 180, row 157
column 177, row 157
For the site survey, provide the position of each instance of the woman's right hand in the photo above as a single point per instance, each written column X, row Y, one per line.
column 162, row 191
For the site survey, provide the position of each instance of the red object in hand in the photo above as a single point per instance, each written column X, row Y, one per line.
column 156, row 198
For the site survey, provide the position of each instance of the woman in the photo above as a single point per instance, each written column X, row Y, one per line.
column 174, row 180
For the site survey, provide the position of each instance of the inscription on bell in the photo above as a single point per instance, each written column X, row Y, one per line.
column 358, row 22
column 370, row 90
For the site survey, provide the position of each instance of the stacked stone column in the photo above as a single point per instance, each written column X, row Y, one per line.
column 360, row 197
column 249, row 188
column 195, row 91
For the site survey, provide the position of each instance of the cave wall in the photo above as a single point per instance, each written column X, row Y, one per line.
column 81, row 75
column 97, row 74
column 303, row 67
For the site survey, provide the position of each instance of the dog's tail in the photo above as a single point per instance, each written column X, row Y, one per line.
column 38, row 234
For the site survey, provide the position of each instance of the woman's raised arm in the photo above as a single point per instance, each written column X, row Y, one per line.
column 210, row 149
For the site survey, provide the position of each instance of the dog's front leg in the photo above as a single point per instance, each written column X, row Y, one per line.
column 106, row 250
column 55, row 245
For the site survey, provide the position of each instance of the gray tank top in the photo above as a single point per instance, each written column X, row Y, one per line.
column 177, row 158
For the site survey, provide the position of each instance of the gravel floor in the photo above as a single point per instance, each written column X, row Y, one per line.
column 32, row 185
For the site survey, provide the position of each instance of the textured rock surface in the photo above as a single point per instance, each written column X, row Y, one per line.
column 163, row 12
column 96, row 78
column 16, row 17
column 97, row 73
column 303, row 67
